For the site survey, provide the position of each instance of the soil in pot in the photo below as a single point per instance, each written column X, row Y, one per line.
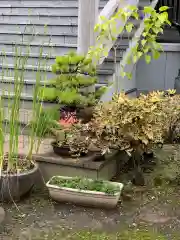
column 17, row 182
column 64, row 151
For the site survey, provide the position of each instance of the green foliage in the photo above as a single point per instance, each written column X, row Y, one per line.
column 48, row 119
column 171, row 108
column 86, row 184
column 146, row 45
column 129, row 234
column 75, row 74
column 167, row 170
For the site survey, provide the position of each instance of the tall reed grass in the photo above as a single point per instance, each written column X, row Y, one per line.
column 10, row 120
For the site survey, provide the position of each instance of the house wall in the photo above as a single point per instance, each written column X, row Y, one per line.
column 125, row 85
column 159, row 74
column 29, row 25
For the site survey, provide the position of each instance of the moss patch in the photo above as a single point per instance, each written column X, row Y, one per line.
column 87, row 235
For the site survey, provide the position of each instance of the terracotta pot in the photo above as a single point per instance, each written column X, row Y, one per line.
column 84, row 197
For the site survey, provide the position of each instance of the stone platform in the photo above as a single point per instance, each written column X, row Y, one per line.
column 51, row 164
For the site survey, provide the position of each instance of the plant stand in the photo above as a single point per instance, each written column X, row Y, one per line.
column 51, row 165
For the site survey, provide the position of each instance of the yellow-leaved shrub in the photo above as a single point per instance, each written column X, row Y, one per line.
column 132, row 124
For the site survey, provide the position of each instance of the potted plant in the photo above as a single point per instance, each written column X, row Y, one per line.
column 18, row 172
column 70, row 143
column 73, row 87
column 75, row 142
column 84, row 191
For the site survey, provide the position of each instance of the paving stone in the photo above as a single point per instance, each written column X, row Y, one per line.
column 155, row 217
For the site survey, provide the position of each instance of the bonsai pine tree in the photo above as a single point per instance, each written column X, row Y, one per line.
column 74, row 81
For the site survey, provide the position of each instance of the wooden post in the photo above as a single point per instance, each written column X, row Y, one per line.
column 87, row 18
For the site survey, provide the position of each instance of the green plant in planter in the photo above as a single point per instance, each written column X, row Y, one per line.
column 85, row 184
column 10, row 161
column 74, row 81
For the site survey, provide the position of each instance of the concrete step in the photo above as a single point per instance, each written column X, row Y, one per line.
column 40, row 29
column 33, row 20
column 45, row 3
column 35, row 48
column 26, row 100
column 38, row 20
column 41, row 39
column 27, row 94
column 15, row 37
column 10, row 10
column 7, row 85
column 52, row 3
column 45, row 60
column 30, row 71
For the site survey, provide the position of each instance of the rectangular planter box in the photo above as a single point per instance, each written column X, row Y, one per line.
column 83, row 197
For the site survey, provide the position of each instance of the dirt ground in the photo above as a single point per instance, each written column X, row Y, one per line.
column 37, row 217
column 150, row 213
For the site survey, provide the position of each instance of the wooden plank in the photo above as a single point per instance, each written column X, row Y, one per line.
column 117, row 79
column 109, row 9
column 87, row 18
column 135, row 39
column 120, row 23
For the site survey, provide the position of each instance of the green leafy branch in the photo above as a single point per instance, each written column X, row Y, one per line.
column 147, row 45
column 108, row 31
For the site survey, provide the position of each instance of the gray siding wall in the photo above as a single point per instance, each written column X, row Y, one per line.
column 29, row 25
column 33, row 26
column 159, row 74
